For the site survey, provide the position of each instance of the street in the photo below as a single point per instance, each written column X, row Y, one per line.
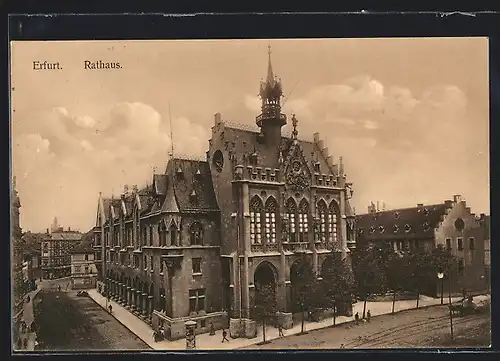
column 65, row 321
column 426, row 327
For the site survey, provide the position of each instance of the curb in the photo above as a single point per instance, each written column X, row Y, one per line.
column 119, row 321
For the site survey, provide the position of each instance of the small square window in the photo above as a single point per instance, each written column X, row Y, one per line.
column 460, row 244
column 448, row 244
column 471, row 243
column 196, row 265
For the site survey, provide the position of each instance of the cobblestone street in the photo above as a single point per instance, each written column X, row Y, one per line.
column 67, row 322
column 407, row 329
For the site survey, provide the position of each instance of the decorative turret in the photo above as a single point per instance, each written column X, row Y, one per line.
column 271, row 119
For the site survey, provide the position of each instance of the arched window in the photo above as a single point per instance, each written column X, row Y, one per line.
column 291, row 210
column 303, row 220
column 255, row 225
column 323, row 218
column 173, row 234
column 162, row 232
column 333, row 218
column 271, row 207
column 196, row 234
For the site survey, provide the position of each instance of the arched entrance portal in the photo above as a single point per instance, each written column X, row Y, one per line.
column 265, row 291
column 301, row 276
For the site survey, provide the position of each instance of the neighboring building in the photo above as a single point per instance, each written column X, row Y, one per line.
column 450, row 224
column 207, row 234
column 83, row 268
column 485, row 223
column 32, row 244
column 56, row 256
column 19, row 288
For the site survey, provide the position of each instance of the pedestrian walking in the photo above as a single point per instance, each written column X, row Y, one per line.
column 212, row 329
column 59, row 288
column 110, row 309
column 224, row 335
column 356, row 318
column 368, row 316
column 342, row 345
column 280, row 331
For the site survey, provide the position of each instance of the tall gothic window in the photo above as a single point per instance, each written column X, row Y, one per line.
column 323, row 219
column 303, row 220
column 255, row 225
column 151, row 235
column 270, row 209
column 196, row 234
column 173, row 234
column 162, row 231
column 291, row 211
column 332, row 222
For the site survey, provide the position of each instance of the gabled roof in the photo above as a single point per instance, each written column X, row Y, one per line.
column 244, row 138
column 406, row 222
column 82, row 247
column 188, row 176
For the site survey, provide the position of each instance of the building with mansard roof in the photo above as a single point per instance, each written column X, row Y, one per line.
column 202, row 240
column 450, row 224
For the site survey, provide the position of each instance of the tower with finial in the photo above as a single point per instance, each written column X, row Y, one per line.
column 271, row 119
column 295, row 122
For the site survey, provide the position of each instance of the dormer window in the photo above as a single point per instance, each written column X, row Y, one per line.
column 179, row 172
column 426, row 226
column 426, row 211
column 396, row 215
column 198, row 173
column 193, row 196
column 360, row 230
column 381, row 229
column 407, row 228
column 372, row 229
column 316, row 167
column 395, row 228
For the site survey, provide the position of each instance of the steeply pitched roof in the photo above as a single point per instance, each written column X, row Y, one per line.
column 192, row 185
column 415, row 222
column 243, row 138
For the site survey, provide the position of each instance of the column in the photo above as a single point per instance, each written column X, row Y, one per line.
column 245, row 241
column 150, row 304
column 138, row 300
column 132, row 298
column 145, row 304
column 343, row 226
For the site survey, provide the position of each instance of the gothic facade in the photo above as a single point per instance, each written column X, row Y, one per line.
column 205, row 236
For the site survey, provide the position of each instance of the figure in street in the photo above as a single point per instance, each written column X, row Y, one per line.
column 368, row 316
column 212, row 329
column 224, row 335
column 110, row 309
column 280, row 331
column 356, row 318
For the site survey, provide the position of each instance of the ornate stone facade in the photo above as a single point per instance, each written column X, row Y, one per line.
column 198, row 243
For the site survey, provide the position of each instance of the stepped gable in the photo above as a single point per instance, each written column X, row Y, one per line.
column 415, row 222
column 243, row 139
column 192, row 185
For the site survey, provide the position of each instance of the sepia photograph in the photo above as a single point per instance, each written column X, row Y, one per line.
column 250, row 194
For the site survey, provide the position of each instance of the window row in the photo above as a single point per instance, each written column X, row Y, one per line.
column 170, row 236
column 460, row 244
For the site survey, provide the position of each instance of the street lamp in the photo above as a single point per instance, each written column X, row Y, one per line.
column 441, row 277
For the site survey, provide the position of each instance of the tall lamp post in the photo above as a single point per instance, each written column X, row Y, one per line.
column 449, row 298
column 441, row 277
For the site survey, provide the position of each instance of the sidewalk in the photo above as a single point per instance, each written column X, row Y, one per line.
column 27, row 315
column 207, row 342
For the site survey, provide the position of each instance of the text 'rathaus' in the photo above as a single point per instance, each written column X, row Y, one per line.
column 206, row 237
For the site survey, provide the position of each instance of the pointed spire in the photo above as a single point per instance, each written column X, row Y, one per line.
column 295, row 122
column 270, row 74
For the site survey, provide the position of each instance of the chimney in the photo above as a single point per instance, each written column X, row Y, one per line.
column 217, row 118
column 383, row 206
column 321, row 144
column 448, row 203
column 69, row 229
column 420, row 205
column 341, row 167
column 125, row 189
column 134, row 188
column 47, row 231
column 457, row 198
column 377, row 206
column 316, row 137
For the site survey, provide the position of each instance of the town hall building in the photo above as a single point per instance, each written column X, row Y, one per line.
column 203, row 239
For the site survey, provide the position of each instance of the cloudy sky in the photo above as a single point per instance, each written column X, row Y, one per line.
column 409, row 116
